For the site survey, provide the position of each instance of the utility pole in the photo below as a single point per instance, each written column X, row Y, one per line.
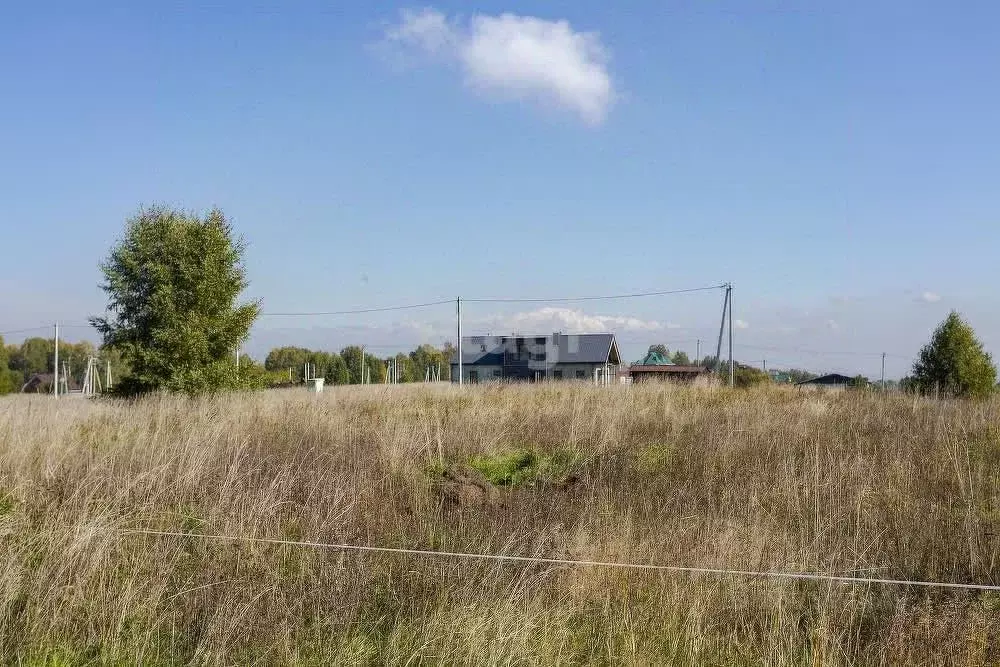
column 107, row 385
column 697, row 354
column 722, row 326
column 883, row 372
column 362, row 364
column 237, row 358
column 732, row 368
column 458, row 303
column 765, row 365
column 55, row 366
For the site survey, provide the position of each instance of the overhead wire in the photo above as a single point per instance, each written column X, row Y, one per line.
column 360, row 311
column 440, row 302
column 820, row 352
column 25, row 330
column 592, row 298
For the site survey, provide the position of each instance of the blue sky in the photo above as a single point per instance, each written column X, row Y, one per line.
column 838, row 164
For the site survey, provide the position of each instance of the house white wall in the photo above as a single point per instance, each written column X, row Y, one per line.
column 486, row 373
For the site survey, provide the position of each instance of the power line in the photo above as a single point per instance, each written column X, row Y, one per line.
column 29, row 329
column 593, row 298
column 384, row 309
column 805, row 351
column 360, row 311
column 577, row 563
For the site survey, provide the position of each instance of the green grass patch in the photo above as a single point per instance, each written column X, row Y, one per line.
column 658, row 457
column 520, row 467
column 7, row 503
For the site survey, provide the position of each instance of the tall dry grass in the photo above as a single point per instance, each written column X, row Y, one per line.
column 836, row 483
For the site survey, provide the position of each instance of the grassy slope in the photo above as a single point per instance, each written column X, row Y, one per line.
column 892, row 487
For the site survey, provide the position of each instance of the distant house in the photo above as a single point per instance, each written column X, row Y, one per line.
column 590, row 357
column 41, row 383
column 829, row 381
column 38, row 383
column 655, row 366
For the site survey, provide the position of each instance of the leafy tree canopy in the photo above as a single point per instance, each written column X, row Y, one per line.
column 9, row 379
column 954, row 363
column 747, row 376
column 659, row 348
column 173, row 282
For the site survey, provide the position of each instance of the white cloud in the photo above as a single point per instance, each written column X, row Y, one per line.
column 930, row 297
column 544, row 320
column 516, row 57
column 740, row 324
column 427, row 30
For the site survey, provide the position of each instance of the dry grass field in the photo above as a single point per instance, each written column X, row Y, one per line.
column 884, row 486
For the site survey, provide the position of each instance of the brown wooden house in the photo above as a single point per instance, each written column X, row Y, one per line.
column 654, row 366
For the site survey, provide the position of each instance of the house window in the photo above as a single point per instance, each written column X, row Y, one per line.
column 581, row 375
column 473, row 376
column 497, row 373
column 557, row 375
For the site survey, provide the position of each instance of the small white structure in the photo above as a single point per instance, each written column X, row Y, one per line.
column 316, row 384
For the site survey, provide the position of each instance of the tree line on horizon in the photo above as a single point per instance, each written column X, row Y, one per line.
column 287, row 364
column 36, row 356
column 175, row 322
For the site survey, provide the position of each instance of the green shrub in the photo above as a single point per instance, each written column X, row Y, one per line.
column 516, row 467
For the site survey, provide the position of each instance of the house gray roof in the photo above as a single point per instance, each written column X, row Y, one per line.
column 596, row 348
column 830, row 379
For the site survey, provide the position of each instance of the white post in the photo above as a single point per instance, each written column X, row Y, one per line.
column 55, row 366
column 107, row 385
column 461, row 379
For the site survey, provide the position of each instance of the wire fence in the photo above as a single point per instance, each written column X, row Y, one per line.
column 570, row 562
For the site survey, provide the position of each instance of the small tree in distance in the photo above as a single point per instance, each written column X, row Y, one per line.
column 173, row 282
column 954, row 362
column 659, row 348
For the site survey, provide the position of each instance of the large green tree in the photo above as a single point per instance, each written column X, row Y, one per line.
column 173, row 282
column 428, row 357
column 10, row 380
column 33, row 356
column 289, row 357
column 954, row 363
